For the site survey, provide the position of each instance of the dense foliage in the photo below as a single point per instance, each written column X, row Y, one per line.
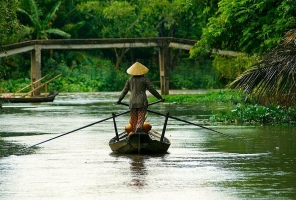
column 41, row 28
column 238, row 64
column 9, row 25
column 249, row 26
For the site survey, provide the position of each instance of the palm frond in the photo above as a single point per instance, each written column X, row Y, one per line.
column 34, row 21
column 272, row 80
column 35, row 12
column 51, row 14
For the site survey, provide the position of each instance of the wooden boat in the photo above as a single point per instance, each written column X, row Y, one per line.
column 140, row 142
column 30, row 96
column 36, row 99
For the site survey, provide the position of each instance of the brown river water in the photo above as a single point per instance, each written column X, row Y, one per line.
column 200, row 164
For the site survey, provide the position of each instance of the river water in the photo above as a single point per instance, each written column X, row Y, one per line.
column 200, row 164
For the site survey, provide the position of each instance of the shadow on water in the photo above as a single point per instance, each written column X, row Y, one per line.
column 10, row 148
column 16, row 134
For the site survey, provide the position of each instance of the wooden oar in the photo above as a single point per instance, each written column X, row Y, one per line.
column 74, row 130
column 224, row 134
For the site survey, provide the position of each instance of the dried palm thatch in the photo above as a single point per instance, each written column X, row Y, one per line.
column 272, row 80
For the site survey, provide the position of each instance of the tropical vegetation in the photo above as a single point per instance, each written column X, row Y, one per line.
column 272, row 80
column 260, row 32
column 41, row 28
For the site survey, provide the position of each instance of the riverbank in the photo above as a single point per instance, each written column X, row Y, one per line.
column 241, row 113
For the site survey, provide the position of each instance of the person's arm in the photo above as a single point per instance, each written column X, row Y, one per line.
column 124, row 92
column 153, row 91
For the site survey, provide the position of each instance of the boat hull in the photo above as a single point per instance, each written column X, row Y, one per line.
column 140, row 142
column 38, row 99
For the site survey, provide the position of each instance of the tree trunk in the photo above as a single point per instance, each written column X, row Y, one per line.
column 119, row 56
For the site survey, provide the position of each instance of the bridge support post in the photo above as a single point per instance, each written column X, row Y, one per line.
column 164, row 66
column 36, row 68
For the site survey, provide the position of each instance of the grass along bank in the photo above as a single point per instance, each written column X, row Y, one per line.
column 242, row 114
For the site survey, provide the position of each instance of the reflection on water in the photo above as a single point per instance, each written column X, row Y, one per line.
column 138, row 172
column 200, row 164
column 137, row 169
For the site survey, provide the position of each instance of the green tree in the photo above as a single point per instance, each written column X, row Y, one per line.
column 41, row 28
column 191, row 16
column 105, row 20
column 10, row 32
column 250, row 26
column 188, row 18
column 9, row 26
column 123, row 24
column 228, row 68
column 92, row 13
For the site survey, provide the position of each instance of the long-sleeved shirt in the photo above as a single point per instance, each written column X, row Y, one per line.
column 137, row 85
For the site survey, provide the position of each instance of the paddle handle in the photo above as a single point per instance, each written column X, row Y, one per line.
column 148, row 104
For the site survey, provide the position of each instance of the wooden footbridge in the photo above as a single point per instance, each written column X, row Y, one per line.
column 163, row 44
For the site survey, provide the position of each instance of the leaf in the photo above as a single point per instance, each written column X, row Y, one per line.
column 51, row 14
column 58, row 32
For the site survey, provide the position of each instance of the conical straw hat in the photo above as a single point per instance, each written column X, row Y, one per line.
column 137, row 69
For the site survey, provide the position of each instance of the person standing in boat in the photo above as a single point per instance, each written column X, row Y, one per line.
column 137, row 85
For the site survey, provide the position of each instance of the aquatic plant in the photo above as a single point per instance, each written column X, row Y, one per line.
column 257, row 115
column 221, row 96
